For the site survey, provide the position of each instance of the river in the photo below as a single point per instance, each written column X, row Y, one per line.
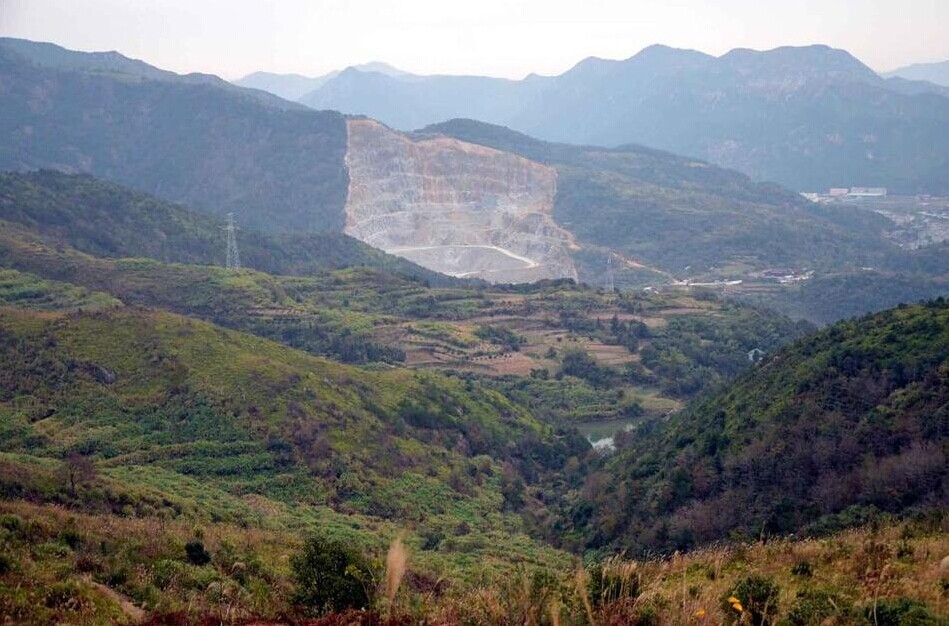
column 600, row 434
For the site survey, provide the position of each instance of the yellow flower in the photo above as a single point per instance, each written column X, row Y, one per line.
column 734, row 600
column 700, row 613
column 737, row 606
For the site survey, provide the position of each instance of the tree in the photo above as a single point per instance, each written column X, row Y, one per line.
column 77, row 470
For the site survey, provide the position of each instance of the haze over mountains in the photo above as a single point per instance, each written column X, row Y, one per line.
column 462, row 374
column 937, row 73
column 295, row 86
column 282, row 167
column 809, row 118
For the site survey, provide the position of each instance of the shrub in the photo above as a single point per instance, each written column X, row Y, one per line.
column 813, row 606
column 431, row 539
column 70, row 536
column 803, row 568
column 13, row 523
column 759, row 600
column 65, row 596
column 331, row 577
column 165, row 572
column 6, row 564
column 196, row 553
column 900, row 612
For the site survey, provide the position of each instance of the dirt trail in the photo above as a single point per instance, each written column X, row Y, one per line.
column 131, row 611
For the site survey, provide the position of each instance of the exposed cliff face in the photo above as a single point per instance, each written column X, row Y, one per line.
column 455, row 207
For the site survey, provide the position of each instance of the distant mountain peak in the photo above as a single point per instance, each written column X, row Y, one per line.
column 937, row 73
column 379, row 67
column 815, row 60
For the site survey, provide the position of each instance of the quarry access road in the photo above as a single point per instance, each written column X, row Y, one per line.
column 528, row 263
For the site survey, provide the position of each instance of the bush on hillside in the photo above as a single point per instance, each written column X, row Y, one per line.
column 814, row 606
column 331, row 577
column 758, row 597
column 196, row 553
column 900, row 612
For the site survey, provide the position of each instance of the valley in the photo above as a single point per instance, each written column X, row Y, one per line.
column 659, row 348
column 401, row 363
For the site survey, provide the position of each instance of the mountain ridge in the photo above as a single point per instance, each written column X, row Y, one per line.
column 222, row 150
column 761, row 112
column 295, row 86
column 935, row 72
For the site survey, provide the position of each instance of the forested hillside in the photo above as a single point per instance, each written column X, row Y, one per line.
column 218, row 148
column 325, row 434
column 208, row 144
column 841, row 424
column 108, row 220
column 183, row 405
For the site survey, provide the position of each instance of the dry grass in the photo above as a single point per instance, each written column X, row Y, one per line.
column 861, row 568
column 396, row 561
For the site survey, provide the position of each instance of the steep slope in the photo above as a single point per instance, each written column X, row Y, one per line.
column 809, row 118
column 186, row 420
column 852, row 419
column 107, row 220
column 660, row 349
column 117, row 66
column 361, row 315
column 448, row 203
column 455, row 207
column 210, row 145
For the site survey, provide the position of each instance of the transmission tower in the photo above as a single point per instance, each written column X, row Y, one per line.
column 608, row 283
column 233, row 257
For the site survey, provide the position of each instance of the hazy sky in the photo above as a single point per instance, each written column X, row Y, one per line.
column 495, row 37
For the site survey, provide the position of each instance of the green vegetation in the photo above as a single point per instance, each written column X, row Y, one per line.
column 61, row 225
column 215, row 148
column 331, row 577
column 826, row 299
column 107, row 220
column 821, row 435
column 672, row 212
column 281, row 169
column 137, row 389
column 28, row 291
column 72, row 568
column 169, row 433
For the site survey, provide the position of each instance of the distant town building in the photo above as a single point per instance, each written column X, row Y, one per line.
column 838, row 192
column 813, row 197
column 868, row 192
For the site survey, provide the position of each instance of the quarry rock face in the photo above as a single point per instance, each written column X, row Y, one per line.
column 454, row 207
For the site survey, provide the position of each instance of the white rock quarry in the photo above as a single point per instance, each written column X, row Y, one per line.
column 454, row 207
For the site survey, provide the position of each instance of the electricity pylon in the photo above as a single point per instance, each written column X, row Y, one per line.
column 608, row 283
column 233, row 256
